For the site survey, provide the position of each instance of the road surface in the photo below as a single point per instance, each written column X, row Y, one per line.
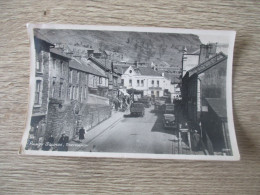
column 134, row 135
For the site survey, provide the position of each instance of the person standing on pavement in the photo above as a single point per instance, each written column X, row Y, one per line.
column 196, row 141
column 48, row 144
column 81, row 133
column 116, row 104
column 63, row 143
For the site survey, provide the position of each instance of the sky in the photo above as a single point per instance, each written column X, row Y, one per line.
column 221, row 40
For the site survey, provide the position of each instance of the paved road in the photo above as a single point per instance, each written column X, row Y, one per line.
column 136, row 135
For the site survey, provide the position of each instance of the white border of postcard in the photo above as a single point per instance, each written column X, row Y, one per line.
column 230, row 35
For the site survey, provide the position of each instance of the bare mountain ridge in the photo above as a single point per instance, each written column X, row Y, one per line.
column 163, row 49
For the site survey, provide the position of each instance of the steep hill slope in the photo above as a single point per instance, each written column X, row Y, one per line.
column 164, row 49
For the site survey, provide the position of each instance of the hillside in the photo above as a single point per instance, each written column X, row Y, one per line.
column 163, row 49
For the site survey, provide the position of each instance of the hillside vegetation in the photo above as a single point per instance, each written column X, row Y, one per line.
column 164, row 49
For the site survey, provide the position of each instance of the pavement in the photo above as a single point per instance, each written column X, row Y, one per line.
column 93, row 133
column 122, row 133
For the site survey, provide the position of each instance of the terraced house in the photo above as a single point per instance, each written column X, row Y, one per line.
column 69, row 92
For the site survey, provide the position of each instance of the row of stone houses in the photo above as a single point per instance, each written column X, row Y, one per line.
column 204, row 97
column 71, row 90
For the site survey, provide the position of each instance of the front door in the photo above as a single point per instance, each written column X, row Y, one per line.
column 157, row 93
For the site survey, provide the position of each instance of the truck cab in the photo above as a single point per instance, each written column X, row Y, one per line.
column 137, row 109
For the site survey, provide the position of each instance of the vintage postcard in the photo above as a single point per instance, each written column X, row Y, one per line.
column 130, row 92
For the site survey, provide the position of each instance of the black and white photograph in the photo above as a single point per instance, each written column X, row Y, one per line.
column 130, row 92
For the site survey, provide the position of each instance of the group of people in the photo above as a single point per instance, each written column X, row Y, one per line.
column 62, row 143
column 121, row 103
column 61, row 146
column 196, row 142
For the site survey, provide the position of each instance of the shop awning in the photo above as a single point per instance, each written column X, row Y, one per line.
column 134, row 91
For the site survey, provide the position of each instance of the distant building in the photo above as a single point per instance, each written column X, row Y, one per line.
column 146, row 80
column 97, row 77
column 114, row 56
column 207, row 51
column 190, row 60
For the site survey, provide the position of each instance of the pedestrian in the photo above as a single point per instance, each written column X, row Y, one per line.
column 40, row 143
column 81, row 133
column 48, row 144
column 116, row 104
column 196, row 141
column 51, row 139
column 66, row 141
column 63, row 143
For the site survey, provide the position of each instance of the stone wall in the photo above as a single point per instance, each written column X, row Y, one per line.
column 44, row 77
column 68, row 118
column 91, row 115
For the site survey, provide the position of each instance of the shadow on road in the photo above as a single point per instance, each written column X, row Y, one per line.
column 131, row 116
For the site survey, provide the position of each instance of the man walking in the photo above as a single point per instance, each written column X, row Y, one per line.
column 81, row 133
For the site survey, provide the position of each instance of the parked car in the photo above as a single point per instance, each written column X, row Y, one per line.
column 137, row 109
column 169, row 119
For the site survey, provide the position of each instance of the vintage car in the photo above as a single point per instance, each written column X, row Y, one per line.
column 137, row 109
column 169, row 119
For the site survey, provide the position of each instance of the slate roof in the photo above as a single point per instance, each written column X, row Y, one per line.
column 80, row 65
column 218, row 105
column 101, row 63
column 119, row 70
column 170, row 76
column 59, row 52
column 40, row 36
column 147, row 71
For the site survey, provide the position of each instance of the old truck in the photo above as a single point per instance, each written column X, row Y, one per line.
column 137, row 109
column 146, row 101
column 169, row 119
column 159, row 104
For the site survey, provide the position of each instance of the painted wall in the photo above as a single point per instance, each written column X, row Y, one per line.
column 189, row 62
column 149, row 84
